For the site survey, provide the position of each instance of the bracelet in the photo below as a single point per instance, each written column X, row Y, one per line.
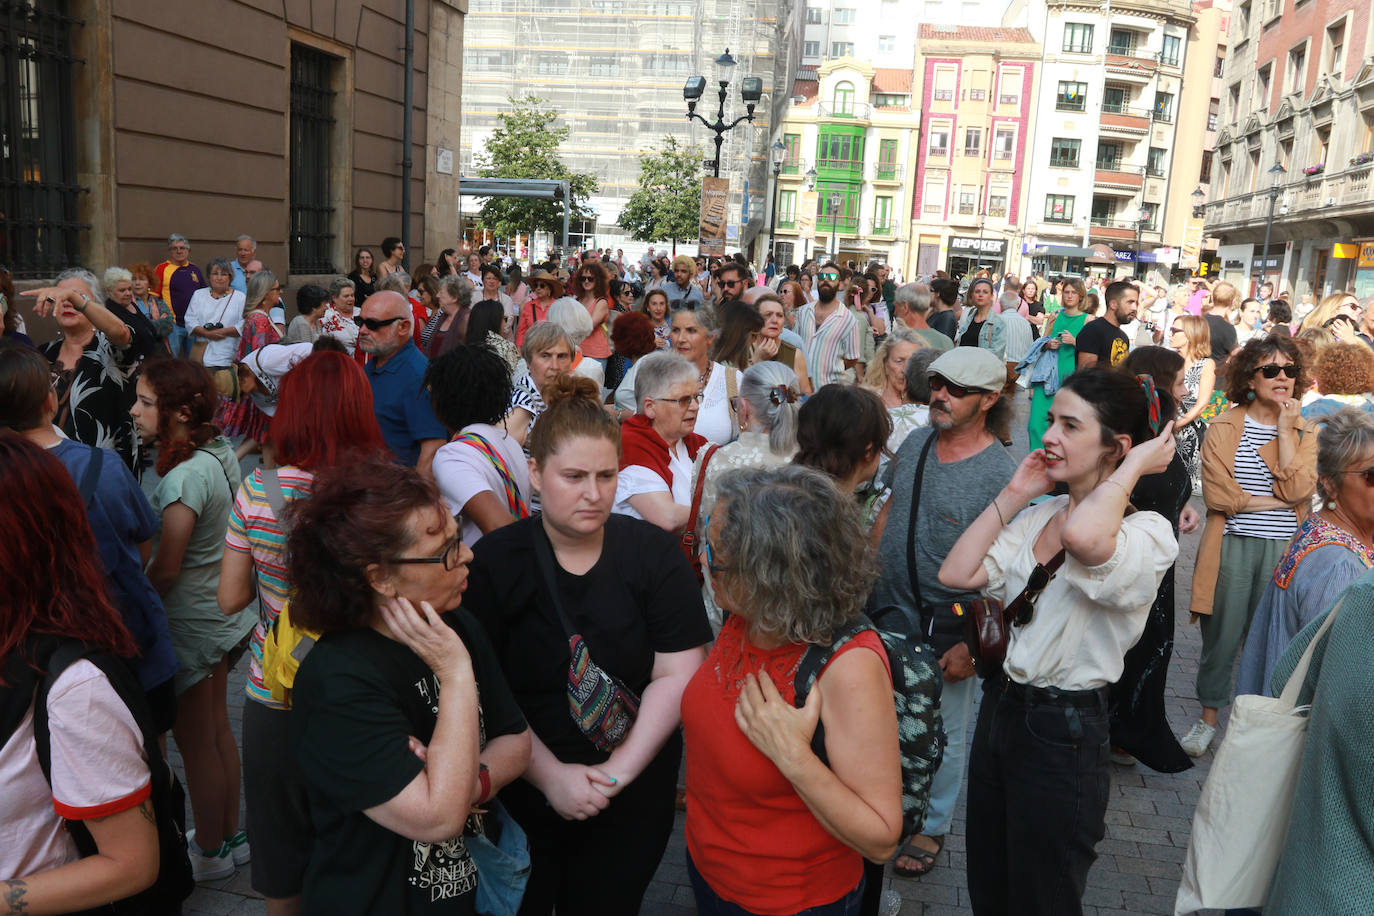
column 1119, row 484
column 999, row 512
column 484, row 778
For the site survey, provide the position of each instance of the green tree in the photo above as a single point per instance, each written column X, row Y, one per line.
column 525, row 145
column 667, row 205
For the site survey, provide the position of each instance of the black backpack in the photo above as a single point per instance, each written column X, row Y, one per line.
column 52, row 655
column 916, row 684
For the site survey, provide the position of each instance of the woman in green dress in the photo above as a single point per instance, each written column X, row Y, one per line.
column 1065, row 325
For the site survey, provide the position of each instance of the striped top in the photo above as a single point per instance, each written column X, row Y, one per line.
column 1254, row 478
column 254, row 530
column 828, row 346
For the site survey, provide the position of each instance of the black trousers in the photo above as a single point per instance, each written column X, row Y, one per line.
column 1037, row 799
column 601, row 866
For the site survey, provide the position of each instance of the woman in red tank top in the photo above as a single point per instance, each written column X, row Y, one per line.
column 771, row 829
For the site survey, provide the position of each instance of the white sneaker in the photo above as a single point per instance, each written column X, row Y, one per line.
column 238, row 846
column 890, row 904
column 212, row 867
column 1198, row 739
column 1121, row 758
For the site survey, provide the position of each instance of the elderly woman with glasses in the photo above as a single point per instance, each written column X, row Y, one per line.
column 93, row 362
column 658, row 445
column 1259, row 469
column 403, row 724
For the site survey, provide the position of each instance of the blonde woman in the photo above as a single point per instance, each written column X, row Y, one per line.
column 1332, row 306
column 1192, row 338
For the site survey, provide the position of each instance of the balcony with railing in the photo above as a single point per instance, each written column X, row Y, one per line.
column 1122, row 117
column 844, row 111
column 826, row 223
column 1111, row 229
column 791, row 167
column 1063, row 162
column 886, row 171
column 1066, row 104
column 1120, row 179
column 882, row 226
column 841, row 165
column 1131, row 60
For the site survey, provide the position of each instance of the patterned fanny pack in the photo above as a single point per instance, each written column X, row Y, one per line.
column 600, row 703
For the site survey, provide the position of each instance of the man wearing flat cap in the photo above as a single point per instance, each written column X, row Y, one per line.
column 942, row 478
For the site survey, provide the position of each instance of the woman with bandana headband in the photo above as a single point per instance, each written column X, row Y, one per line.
column 1038, row 780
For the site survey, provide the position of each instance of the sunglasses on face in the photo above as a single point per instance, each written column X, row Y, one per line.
column 828, row 275
column 940, row 383
column 683, row 402
column 1273, row 369
column 376, row 324
column 448, row 556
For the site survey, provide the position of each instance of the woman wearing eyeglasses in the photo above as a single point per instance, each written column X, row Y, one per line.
column 402, row 723
column 1259, row 470
column 592, row 289
column 547, row 287
column 1038, row 781
column 658, row 444
column 597, row 799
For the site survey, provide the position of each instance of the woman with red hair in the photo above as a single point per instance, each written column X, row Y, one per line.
column 176, row 401
column 323, row 417
column 52, row 590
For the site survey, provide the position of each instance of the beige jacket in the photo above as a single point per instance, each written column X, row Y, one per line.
column 1294, row 485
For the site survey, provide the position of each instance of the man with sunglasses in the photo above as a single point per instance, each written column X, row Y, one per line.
column 734, row 280
column 396, row 371
column 941, row 479
column 830, row 333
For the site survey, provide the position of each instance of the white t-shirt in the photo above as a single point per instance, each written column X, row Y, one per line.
column 98, row 769
column 204, row 309
column 714, row 420
column 462, row 472
column 637, row 479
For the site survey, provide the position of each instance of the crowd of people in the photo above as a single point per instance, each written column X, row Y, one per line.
column 521, row 564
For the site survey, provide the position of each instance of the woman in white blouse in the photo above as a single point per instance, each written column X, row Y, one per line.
column 1038, row 782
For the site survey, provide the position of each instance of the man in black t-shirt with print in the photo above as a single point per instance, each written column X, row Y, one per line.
column 1102, row 342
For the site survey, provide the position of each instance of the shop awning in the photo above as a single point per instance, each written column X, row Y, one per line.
column 1063, row 251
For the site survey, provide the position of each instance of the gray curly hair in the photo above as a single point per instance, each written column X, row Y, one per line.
column 799, row 564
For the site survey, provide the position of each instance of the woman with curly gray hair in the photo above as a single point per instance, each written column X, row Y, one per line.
column 791, row 563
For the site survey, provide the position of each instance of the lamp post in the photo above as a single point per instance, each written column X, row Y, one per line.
column 1141, row 220
column 1199, row 203
column 810, row 186
column 777, row 151
column 750, row 90
column 836, row 198
column 1276, row 180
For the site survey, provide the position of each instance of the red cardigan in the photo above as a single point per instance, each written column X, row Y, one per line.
column 640, row 444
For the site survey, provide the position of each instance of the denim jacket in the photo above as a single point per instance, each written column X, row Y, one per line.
column 992, row 336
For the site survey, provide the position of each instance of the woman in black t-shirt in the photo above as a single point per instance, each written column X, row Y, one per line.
column 597, row 822
column 395, row 767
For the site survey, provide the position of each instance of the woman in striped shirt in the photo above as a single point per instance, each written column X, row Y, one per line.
column 1259, row 470
column 324, row 417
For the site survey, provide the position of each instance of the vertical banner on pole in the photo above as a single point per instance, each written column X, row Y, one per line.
column 806, row 215
column 715, row 199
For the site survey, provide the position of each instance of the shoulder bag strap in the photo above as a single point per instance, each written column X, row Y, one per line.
column 731, row 395
column 514, row 501
column 229, row 483
column 689, row 537
column 543, row 552
column 911, row 521
column 275, row 492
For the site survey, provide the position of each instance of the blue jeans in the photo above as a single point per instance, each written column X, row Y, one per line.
column 179, row 341
column 956, row 703
column 710, row 904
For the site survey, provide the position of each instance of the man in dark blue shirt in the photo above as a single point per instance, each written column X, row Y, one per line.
column 396, row 372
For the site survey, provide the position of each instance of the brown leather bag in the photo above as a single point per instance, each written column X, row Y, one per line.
column 989, row 623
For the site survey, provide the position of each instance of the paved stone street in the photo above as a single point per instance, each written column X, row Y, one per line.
column 1137, row 871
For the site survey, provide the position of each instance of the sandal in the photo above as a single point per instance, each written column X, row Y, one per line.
column 925, row 857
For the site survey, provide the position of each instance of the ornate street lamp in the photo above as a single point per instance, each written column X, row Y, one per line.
column 750, row 90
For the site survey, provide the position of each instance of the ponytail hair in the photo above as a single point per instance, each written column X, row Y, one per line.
column 180, row 384
column 573, row 408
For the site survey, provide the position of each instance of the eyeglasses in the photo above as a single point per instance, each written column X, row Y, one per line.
column 376, row 324
column 449, row 556
column 1366, row 473
column 711, row 564
column 940, row 383
column 1272, row 370
column 683, row 402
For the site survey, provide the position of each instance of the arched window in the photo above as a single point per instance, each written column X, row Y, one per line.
column 844, row 98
